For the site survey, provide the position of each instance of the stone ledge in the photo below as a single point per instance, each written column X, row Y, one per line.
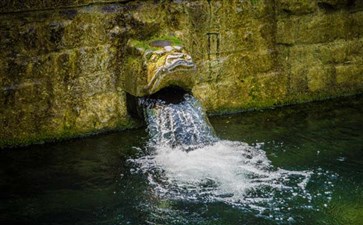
column 11, row 6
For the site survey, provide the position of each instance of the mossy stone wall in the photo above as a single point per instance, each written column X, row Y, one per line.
column 10, row 6
column 59, row 73
column 62, row 62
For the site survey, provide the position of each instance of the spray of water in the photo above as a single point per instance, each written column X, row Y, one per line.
column 186, row 161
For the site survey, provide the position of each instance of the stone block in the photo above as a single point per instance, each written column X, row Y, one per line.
column 65, row 67
column 96, row 59
column 251, row 63
column 307, row 55
column 351, row 75
column 271, row 89
column 263, row 61
column 355, row 52
column 45, row 32
column 239, row 13
column 30, row 92
column 335, row 52
column 87, row 29
column 207, row 94
column 42, row 35
column 339, row 51
column 297, row 79
column 102, row 111
column 25, row 120
column 231, row 95
column 320, row 78
column 347, row 51
column 309, row 29
column 296, row 7
column 97, row 83
column 262, row 90
column 357, row 24
column 252, row 35
column 262, row 9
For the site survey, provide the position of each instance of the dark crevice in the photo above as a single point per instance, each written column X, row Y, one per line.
column 287, row 11
column 350, row 4
column 172, row 95
column 326, row 6
column 133, row 107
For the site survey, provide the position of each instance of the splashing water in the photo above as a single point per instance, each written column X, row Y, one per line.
column 186, row 161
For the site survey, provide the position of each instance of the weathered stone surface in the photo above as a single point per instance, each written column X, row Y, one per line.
column 357, row 23
column 349, row 75
column 31, row 5
column 59, row 72
column 296, row 6
column 155, row 64
column 320, row 78
column 310, row 29
column 64, row 65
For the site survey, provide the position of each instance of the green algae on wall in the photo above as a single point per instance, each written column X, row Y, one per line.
column 63, row 64
column 59, row 72
column 321, row 45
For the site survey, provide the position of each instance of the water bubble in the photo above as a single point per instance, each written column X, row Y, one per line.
column 341, row 159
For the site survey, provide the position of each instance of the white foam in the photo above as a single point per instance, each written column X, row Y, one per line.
column 226, row 171
column 215, row 170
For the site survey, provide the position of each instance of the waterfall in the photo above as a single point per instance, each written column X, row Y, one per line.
column 185, row 160
column 181, row 125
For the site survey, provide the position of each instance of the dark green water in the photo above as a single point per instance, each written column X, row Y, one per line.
column 91, row 181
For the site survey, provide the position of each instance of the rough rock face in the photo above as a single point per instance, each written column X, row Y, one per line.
column 64, row 64
column 59, row 73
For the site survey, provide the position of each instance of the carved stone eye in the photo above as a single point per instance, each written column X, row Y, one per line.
column 168, row 48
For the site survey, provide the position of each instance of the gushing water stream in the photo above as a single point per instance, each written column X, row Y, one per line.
column 187, row 161
column 182, row 125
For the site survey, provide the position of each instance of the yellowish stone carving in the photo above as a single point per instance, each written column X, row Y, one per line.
column 165, row 63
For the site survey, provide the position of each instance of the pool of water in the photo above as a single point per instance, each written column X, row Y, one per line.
column 100, row 180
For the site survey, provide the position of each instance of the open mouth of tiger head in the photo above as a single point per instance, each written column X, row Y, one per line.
column 172, row 64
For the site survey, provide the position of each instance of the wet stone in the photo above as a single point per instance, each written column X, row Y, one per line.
column 160, row 43
column 168, row 48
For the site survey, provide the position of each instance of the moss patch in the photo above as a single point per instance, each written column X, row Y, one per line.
column 145, row 45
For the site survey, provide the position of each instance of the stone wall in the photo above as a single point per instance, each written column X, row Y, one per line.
column 322, row 44
column 62, row 62
column 59, row 70
column 278, row 52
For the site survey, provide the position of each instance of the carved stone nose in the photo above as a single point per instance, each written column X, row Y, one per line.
column 152, row 66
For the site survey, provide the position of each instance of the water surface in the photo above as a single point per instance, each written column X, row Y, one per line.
column 97, row 181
